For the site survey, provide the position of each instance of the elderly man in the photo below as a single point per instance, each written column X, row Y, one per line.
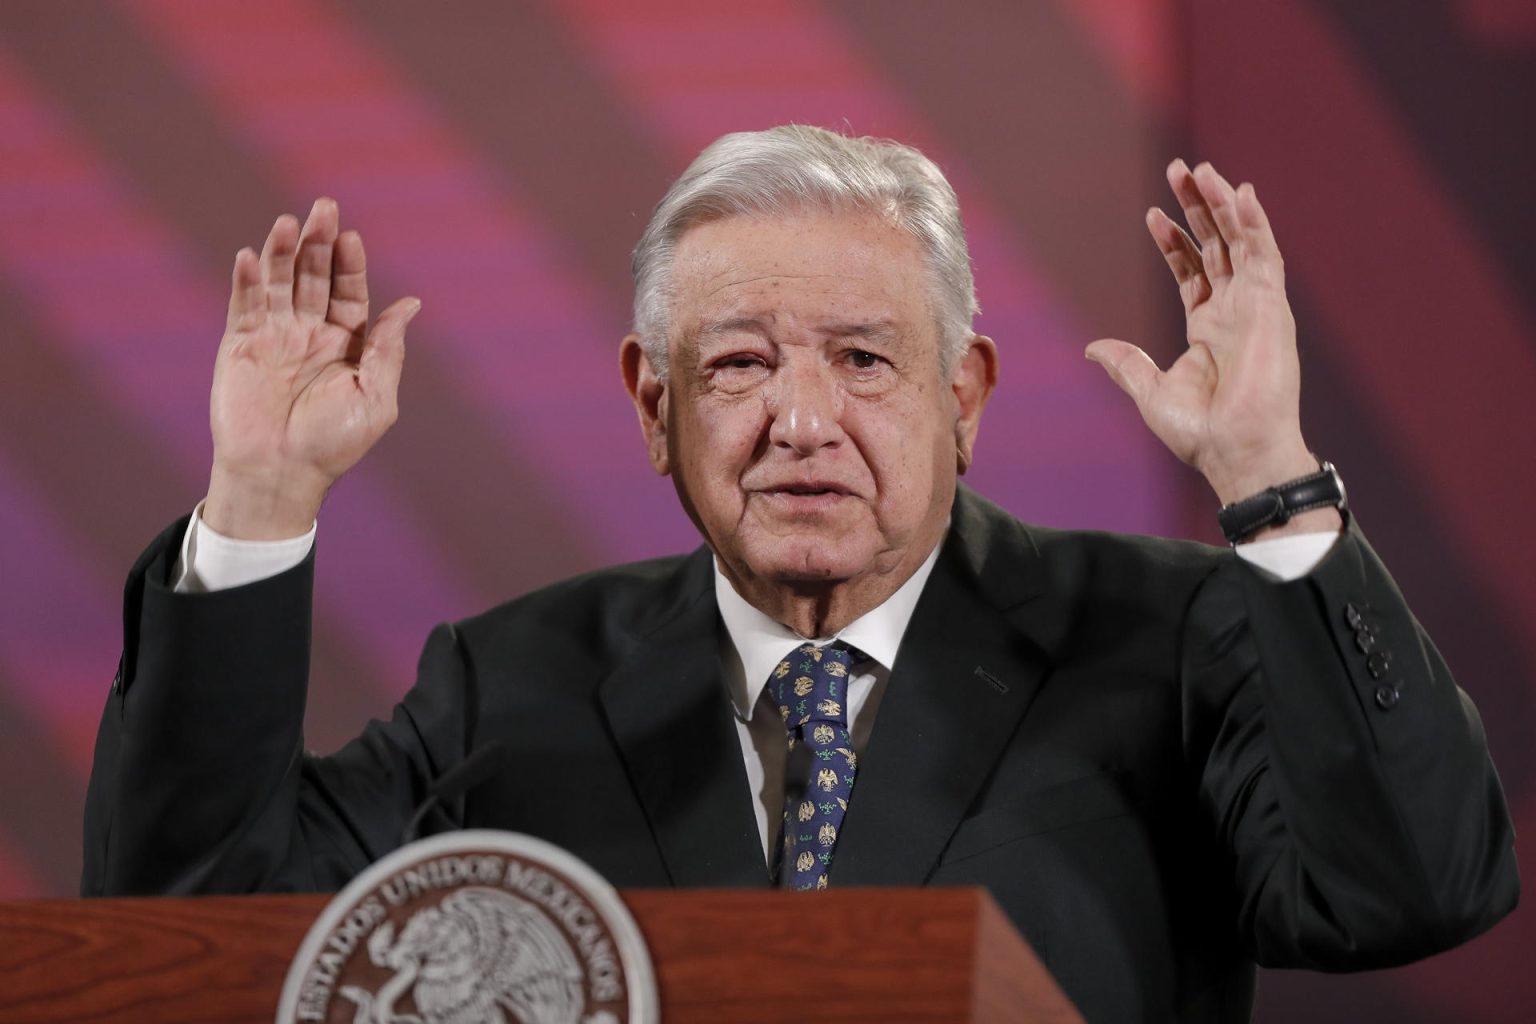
column 1166, row 761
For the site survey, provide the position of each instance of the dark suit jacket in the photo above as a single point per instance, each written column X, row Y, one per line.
column 1163, row 767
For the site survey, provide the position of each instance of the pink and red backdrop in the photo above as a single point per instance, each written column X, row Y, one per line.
column 500, row 160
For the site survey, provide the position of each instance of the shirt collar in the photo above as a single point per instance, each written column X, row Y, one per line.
column 761, row 642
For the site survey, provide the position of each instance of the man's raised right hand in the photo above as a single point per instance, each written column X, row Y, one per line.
column 301, row 387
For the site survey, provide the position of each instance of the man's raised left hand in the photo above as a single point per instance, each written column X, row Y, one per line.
column 1230, row 404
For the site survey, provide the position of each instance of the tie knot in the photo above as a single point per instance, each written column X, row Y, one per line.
column 811, row 685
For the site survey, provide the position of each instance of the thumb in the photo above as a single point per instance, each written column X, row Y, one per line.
column 1128, row 366
column 378, row 371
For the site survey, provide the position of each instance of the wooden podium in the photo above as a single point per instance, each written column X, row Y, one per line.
column 903, row 955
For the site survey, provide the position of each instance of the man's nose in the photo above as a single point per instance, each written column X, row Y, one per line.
column 805, row 409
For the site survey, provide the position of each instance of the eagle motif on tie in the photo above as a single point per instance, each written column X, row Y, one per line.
column 812, row 702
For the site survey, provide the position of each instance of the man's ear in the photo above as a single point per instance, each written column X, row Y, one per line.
column 649, row 393
column 975, row 375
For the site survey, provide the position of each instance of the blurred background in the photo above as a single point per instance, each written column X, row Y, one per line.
column 500, row 159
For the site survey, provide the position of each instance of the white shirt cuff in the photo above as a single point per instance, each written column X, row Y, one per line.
column 211, row 561
column 1284, row 559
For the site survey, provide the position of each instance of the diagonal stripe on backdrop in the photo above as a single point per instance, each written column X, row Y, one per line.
column 114, row 292
column 89, row 502
column 507, row 316
column 557, row 135
column 41, row 801
column 58, row 625
column 1438, row 285
column 203, row 180
column 1064, row 153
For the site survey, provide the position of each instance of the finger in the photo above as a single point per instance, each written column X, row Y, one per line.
column 1198, row 214
column 312, row 289
column 1221, row 198
column 277, row 263
column 1251, row 215
column 1182, row 257
column 1128, row 366
column 378, row 370
column 247, row 301
column 349, row 285
column 1259, row 238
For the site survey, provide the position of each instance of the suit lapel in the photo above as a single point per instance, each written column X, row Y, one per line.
column 965, row 674
column 672, row 721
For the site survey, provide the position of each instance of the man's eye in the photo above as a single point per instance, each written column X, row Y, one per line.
column 863, row 360
column 741, row 362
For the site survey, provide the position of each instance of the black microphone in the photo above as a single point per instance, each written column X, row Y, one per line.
column 797, row 779
column 797, row 771
column 479, row 766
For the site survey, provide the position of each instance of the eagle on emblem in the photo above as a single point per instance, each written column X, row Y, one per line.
column 480, row 955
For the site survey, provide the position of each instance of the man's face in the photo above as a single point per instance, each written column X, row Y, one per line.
column 805, row 421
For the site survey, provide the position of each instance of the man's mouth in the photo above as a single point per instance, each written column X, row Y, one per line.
column 808, row 489
column 813, row 498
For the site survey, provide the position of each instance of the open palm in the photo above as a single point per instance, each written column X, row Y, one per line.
column 1230, row 404
column 301, row 387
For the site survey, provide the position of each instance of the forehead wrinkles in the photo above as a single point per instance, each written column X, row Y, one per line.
column 799, row 246
column 731, row 293
column 734, row 290
column 815, row 268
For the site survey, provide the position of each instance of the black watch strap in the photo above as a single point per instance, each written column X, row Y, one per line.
column 1274, row 506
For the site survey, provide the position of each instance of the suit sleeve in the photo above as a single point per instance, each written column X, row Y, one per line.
column 1345, row 772
column 200, row 782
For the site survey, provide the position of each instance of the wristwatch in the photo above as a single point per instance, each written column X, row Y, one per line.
column 1274, row 506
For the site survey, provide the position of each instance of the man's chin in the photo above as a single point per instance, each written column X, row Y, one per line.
column 814, row 564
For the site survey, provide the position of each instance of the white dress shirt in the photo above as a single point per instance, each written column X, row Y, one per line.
column 753, row 645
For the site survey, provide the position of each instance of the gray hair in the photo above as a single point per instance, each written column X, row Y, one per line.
column 792, row 167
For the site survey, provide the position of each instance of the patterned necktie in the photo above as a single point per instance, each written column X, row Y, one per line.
column 810, row 687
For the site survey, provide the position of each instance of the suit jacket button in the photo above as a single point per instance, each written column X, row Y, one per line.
column 1386, row 697
column 1378, row 663
column 1352, row 616
column 1365, row 640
